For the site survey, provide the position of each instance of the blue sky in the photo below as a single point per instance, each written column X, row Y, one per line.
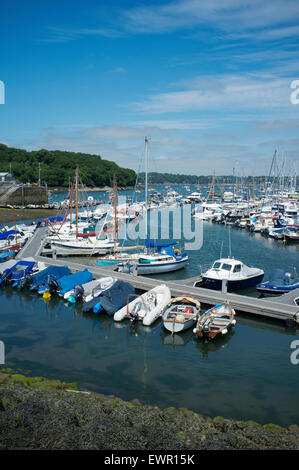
column 208, row 81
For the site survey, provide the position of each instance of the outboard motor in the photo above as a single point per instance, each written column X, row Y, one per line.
column 206, row 331
column 53, row 286
column 78, row 292
column 5, row 278
column 134, row 313
column 25, row 282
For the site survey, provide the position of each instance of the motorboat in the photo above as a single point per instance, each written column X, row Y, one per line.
column 279, row 282
column 148, row 307
column 164, row 258
column 17, row 271
column 110, row 300
column 229, row 274
column 292, row 235
column 66, row 283
column 39, row 281
column 89, row 290
column 180, row 314
column 215, row 321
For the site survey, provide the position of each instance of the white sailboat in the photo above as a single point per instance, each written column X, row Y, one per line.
column 158, row 257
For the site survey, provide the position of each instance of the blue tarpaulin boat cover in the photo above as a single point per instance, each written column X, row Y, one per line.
column 151, row 244
column 67, row 283
column 112, row 299
column 55, row 272
column 58, row 218
column 18, row 270
column 7, row 234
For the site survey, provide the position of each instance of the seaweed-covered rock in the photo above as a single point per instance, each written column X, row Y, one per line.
column 36, row 413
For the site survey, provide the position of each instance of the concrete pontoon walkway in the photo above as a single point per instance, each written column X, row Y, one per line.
column 241, row 303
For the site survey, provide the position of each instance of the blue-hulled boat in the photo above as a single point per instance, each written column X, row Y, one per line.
column 17, row 272
column 279, row 282
column 111, row 300
column 40, row 279
column 67, row 283
column 231, row 273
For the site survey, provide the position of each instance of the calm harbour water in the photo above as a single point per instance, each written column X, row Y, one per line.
column 244, row 375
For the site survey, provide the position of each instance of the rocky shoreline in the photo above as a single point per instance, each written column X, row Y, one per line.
column 36, row 413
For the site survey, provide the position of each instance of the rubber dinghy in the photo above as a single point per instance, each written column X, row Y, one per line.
column 66, row 283
column 92, row 289
column 215, row 321
column 110, row 300
column 180, row 314
column 147, row 307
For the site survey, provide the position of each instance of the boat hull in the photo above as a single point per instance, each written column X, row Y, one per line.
column 178, row 327
column 160, row 268
column 272, row 289
column 216, row 284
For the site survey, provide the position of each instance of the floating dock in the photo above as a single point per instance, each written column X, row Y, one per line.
column 241, row 303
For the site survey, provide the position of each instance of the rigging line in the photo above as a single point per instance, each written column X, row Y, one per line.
column 267, row 182
column 132, row 201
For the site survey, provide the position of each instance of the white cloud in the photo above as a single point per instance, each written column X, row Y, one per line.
column 230, row 92
column 225, row 15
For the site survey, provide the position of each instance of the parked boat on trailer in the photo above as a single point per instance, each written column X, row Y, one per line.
column 180, row 314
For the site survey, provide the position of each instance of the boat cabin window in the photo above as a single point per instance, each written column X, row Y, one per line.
column 217, row 265
column 296, row 301
column 237, row 268
column 226, row 267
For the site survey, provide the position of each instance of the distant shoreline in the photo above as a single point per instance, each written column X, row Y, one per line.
column 7, row 214
column 100, row 189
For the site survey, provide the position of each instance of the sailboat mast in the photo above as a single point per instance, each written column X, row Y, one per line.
column 146, row 170
column 15, row 223
column 115, row 212
column 77, row 179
